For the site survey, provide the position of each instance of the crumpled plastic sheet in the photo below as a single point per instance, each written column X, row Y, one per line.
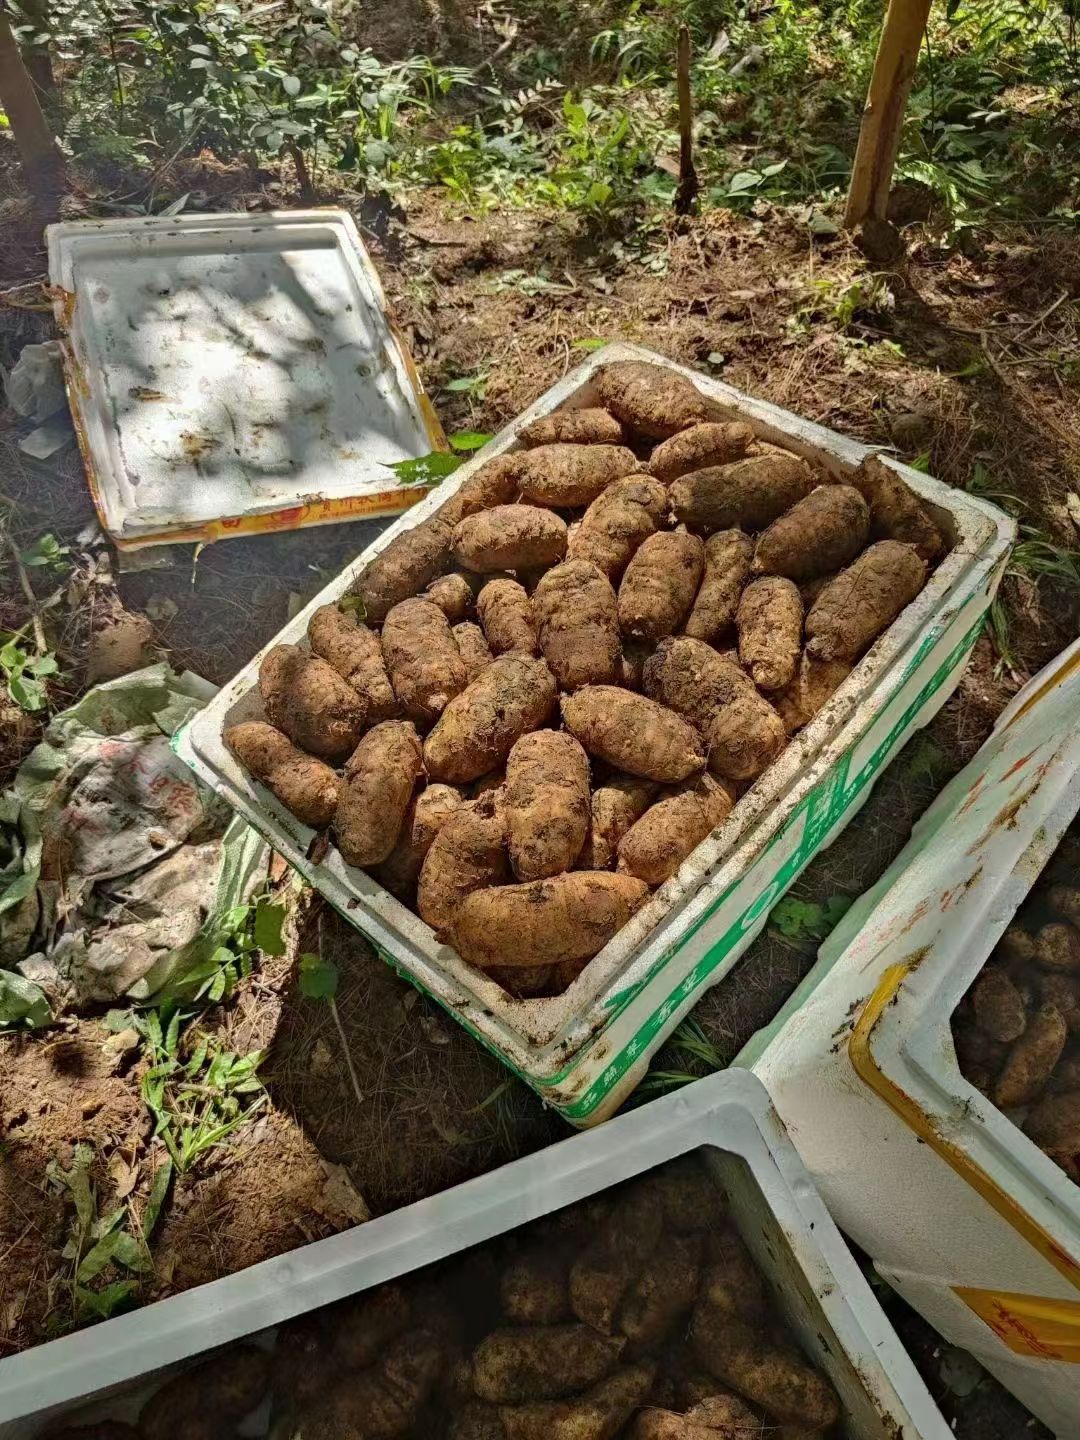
column 114, row 859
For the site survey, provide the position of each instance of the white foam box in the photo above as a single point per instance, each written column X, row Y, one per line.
column 818, row 1288
column 584, row 1051
column 959, row 1210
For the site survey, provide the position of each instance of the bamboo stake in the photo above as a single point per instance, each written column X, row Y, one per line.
column 883, row 117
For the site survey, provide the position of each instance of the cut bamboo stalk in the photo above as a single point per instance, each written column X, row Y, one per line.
column 883, row 117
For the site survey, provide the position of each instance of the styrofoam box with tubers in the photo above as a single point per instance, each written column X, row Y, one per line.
column 112, row 1372
column 585, row 1049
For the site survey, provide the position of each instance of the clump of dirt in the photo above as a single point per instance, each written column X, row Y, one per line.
column 433, row 1107
column 118, row 649
column 267, row 1192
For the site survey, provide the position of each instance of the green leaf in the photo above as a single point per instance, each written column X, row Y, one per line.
column 428, row 469
column 22, row 1002
column 105, row 1302
column 27, row 692
column 353, row 605
column 318, row 978
column 159, row 1188
column 743, row 180
column 116, row 1247
column 269, row 920
column 464, row 384
column 807, row 920
column 46, row 550
column 469, row 440
column 591, row 342
column 290, row 84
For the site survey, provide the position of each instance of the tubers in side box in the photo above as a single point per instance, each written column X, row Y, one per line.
column 660, row 584
column 657, row 844
column 896, row 512
column 305, row 786
column 662, row 1294
column 477, row 730
column 633, row 734
column 535, row 1286
column 546, row 802
column 577, row 624
column 468, row 853
column 1057, row 947
column 999, row 1006
column 1054, row 1122
column 769, row 621
column 741, row 730
column 654, row 401
column 355, row 653
column 617, row 522
column 863, row 600
column 379, row 779
column 598, row 1414
column 615, row 805
column 427, row 813
column 748, row 494
column 818, row 535
column 422, row 659
column 777, row 1379
column 606, row 1268
column 814, row 685
column 700, row 448
column 563, row 476
column 591, row 426
column 510, row 537
column 570, row 917
column 1030, row 1062
column 473, row 648
column 541, row 1362
column 728, row 556
column 385, row 1400
column 309, row 701
column 505, row 612
column 408, row 564
column 453, row 594
column 226, row 1388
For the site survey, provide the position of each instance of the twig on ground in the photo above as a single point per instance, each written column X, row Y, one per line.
column 31, row 599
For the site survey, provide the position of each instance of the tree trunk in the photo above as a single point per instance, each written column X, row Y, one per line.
column 883, row 118
column 42, row 163
column 37, row 59
column 687, row 193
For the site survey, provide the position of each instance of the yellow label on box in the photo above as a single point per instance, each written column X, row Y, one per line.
column 1028, row 1324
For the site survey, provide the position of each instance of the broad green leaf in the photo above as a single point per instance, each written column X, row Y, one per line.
column 428, row 470
column 469, row 440
column 743, row 180
column 290, row 84
column 22, row 1002
column 591, row 342
column 318, row 978
column 269, row 920
column 807, row 920
column 105, row 1302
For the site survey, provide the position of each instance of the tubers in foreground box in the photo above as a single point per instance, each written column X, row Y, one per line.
column 597, row 644
column 639, row 1314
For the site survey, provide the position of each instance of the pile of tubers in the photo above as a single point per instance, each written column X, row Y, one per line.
column 535, row 704
column 638, row 1313
column 1017, row 1029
